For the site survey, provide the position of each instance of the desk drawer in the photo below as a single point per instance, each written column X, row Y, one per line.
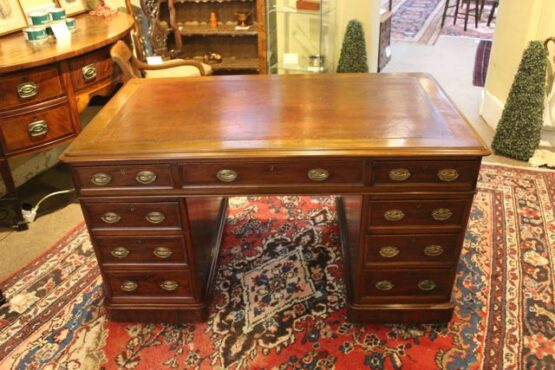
column 445, row 174
column 112, row 215
column 123, row 250
column 396, row 285
column 321, row 172
column 124, row 176
column 36, row 129
column 30, row 86
column 421, row 213
column 91, row 68
column 149, row 284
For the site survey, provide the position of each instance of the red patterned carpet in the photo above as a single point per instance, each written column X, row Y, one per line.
column 279, row 301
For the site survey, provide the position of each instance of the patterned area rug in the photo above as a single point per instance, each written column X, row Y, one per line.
column 279, row 302
column 483, row 31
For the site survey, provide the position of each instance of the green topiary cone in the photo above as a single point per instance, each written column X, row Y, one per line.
column 353, row 56
column 519, row 130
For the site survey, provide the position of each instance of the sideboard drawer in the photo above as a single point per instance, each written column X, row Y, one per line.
column 88, row 69
column 462, row 174
column 125, row 176
column 110, row 215
column 141, row 249
column 394, row 249
column 30, row 86
column 273, row 172
column 429, row 285
column 398, row 214
column 153, row 284
column 36, row 129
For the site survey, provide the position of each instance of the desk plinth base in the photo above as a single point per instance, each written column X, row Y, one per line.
column 400, row 314
column 171, row 315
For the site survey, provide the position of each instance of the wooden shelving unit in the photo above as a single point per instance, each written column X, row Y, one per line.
column 242, row 51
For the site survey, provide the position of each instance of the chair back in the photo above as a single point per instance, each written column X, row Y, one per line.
column 122, row 55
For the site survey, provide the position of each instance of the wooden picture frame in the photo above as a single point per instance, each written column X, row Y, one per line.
column 12, row 17
column 73, row 7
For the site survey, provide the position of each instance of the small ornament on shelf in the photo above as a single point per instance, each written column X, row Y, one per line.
column 102, row 10
column 212, row 58
column 213, row 20
column 242, row 19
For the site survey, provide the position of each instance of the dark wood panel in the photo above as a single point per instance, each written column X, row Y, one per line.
column 125, row 250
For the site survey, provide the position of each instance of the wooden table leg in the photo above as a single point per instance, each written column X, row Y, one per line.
column 2, row 298
column 10, row 205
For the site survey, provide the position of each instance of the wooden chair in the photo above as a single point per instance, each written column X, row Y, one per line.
column 459, row 6
column 131, row 67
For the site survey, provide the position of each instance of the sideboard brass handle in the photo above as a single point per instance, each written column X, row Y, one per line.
column 433, row 250
column 226, row 175
column 389, row 251
column 101, row 179
column 145, row 177
column 129, row 286
column 399, row 174
column 27, row 90
column 89, row 72
column 318, row 174
column 448, row 174
column 110, row 218
column 394, row 215
column 384, row 285
column 441, row 214
column 155, row 217
column 169, row 285
column 120, row 252
column 37, row 128
column 426, row 285
column 162, row 252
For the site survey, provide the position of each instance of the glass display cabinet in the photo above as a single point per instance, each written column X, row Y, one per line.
column 301, row 37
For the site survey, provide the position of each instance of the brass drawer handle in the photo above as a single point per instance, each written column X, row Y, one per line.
column 110, row 218
column 441, row 214
column 318, row 174
column 129, row 286
column 37, row 128
column 89, row 72
column 448, row 174
column 120, row 252
column 169, row 285
column 399, row 174
column 226, row 175
column 426, row 285
column 27, row 90
column 394, row 215
column 389, row 251
column 145, row 177
column 101, row 179
column 162, row 252
column 433, row 250
column 155, row 217
column 384, row 285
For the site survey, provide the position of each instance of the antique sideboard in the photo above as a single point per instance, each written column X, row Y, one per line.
column 43, row 88
column 155, row 167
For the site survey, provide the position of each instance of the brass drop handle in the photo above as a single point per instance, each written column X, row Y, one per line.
column 169, row 285
column 89, row 72
column 399, row 174
column 448, row 174
column 318, row 174
column 441, row 214
column 129, row 286
column 433, row 250
column 384, row 285
column 226, row 175
column 145, row 177
column 155, row 217
column 162, row 252
column 119, row 252
column 38, row 128
column 110, row 218
column 394, row 215
column 389, row 251
column 101, row 179
column 27, row 90
column 426, row 285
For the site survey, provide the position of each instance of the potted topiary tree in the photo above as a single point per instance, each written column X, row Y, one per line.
column 519, row 130
column 353, row 56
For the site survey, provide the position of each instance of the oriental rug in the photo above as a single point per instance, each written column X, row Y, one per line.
column 280, row 297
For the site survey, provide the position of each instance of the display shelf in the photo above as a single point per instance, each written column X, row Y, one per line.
column 234, row 64
column 221, row 30
column 295, row 11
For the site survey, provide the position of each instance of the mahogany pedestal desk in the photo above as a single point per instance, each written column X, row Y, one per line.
column 155, row 167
